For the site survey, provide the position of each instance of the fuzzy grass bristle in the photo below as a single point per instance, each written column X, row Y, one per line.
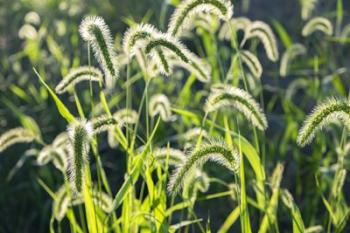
column 95, row 31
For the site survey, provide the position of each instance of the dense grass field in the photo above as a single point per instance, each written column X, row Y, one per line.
column 174, row 116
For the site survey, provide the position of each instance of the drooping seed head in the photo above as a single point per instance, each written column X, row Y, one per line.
column 76, row 75
column 94, row 30
column 235, row 24
column 317, row 24
column 240, row 100
column 287, row 198
column 61, row 203
column 16, row 135
column 45, row 155
column 252, row 62
column 264, row 32
column 184, row 13
column 170, row 156
column 307, row 6
column 179, row 55
column 126, row 116
column 160, row 104
column 103, row 123
column 338, row 182
column 216, row 151
column 291, row 53
column 330, row 111
column 136, row 36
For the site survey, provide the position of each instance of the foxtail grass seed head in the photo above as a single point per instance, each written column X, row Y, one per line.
column 60, row 158
column 45, row 155
column 194, row 133
column 318, row 24
column 252, row 62
column 264, row 32
column 182, row 54
column 198, row 180
column 76, row 75
column 94, row 30
column 16, row 135
column 276, row 176
column 61, row 140
column 338, row 182
column 314, row 229
column 170, row 156
column 126, row 116
column 330, row 111
column 103, row 123
column 102, row 200
column 307, row 6
column 80, row 133
column 287, row 198
column 160, row 104
column 345, row 32
column 236, row 24
column 291, row 53
column 216, row 151
column 240, row 100
column 184, row 13
column 136, row 36
column 61, row 203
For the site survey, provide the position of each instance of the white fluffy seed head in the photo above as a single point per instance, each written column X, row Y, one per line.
column 45, row 155
column 252, row 62
column 264, row 32
column 235, row 24
column 184, row 13
column 307, row 6
column 338, row 182
column 126, row 116
column 317, row 24
column 216, row 151
column 136, row 36
column 94, row 30
column 314, row 229
column 61, row 203
column 330, row 111
column 170, row 156
column 291, row 53
column 76, row 75
column 80, row 133
column 160, row 104
column 16, row 135
column 242, row 101
column 287, row 198
column 103, row 123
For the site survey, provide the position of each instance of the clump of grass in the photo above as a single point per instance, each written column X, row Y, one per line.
column 216, row 151
column 16, row 135
column 238, row 99
column 95, row 31
column 330, row 111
